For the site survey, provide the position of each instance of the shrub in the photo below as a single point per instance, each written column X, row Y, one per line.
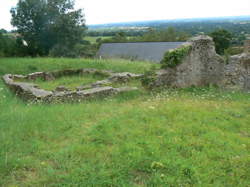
column 174, row 57
column 149, row 78
column 61, row 51
column 234, row 50
column 79, row 50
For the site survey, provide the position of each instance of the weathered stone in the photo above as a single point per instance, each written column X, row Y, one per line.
column 48, row 77
column 61, row 89
column 123, row 77
column 202, row 66
column 101, row 91
column 19, row 77
column 114, row 78
column 85, row 87
column 247, row 46
column 36, row 75
column 32, row 92
column 101, row 83
column 27, row 91
column 236, row 73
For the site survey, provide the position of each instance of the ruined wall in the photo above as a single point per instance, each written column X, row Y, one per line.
column 236, row 74
column 247, row 46
column 31, row 92
column 202, row 66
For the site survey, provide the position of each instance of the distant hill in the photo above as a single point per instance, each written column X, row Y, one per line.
column 238, row 25
column 161, row 23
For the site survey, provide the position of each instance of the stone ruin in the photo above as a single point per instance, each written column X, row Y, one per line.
column 247, row 46
column 202, row 67
column 32, row 92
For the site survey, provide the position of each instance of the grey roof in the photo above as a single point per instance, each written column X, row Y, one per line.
column 149, row 51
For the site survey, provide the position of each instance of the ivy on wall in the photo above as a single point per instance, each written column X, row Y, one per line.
column 173, row 58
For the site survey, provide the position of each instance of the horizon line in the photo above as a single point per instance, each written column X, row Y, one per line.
column 174, row 19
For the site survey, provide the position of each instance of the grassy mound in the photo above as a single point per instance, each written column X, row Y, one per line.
column 186, row 137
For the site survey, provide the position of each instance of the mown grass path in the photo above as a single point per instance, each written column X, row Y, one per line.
column 187, row 137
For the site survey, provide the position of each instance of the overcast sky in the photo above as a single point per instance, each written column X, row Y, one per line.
column 109, row 11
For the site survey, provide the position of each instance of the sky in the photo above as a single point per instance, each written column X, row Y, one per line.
column 111, row 11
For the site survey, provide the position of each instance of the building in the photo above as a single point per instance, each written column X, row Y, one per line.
column 146, row 51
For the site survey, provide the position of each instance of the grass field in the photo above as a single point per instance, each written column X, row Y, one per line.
column 92, row 39
column 185, row 137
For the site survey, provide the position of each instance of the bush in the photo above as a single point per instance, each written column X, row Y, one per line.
column 234, row 50
column 79, row 50
column 149, row 78
column 222, row 39
column 173, row 58
column 7, row 45
column 61, row 51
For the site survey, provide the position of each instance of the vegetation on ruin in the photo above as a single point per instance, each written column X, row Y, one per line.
column 174, row 57
column 149, row 78
column 181, row 137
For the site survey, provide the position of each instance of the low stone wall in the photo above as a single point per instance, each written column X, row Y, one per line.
column 202, row 66
column 32, row 92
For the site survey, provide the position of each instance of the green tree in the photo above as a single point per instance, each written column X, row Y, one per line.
column 3, row 31
column 45, row 24
column 163, row 35
column 120, row 37
column 7, row 45
column 222, row 39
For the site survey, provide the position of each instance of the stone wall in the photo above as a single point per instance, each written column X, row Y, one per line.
column 31, row 92
column 236, row 74
column 202, row 66
column 247, row 46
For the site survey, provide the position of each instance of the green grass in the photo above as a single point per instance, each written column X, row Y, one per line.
column 70, row 82
column 185, row 137
column 92, row 39
column 30, row 65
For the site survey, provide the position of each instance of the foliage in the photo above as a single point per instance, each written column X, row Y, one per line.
column 222, row 39
column 163, row 35
column 8, row 45
column 60, row 50
column 174, row 57
column 191, row 27
column 118, row 37
column 234, row 50
column 79, row 50
column 3, row 31
column 152, row 35
column 44, row 24
column 186, row 137
column 149, row 78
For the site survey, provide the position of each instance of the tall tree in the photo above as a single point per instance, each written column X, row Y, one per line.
column 222, row 39
column 44, row 24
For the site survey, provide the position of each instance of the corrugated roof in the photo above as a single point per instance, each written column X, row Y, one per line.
column 148, row 51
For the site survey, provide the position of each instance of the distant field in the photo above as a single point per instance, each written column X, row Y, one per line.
column 92, row 39
column 183, row 137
